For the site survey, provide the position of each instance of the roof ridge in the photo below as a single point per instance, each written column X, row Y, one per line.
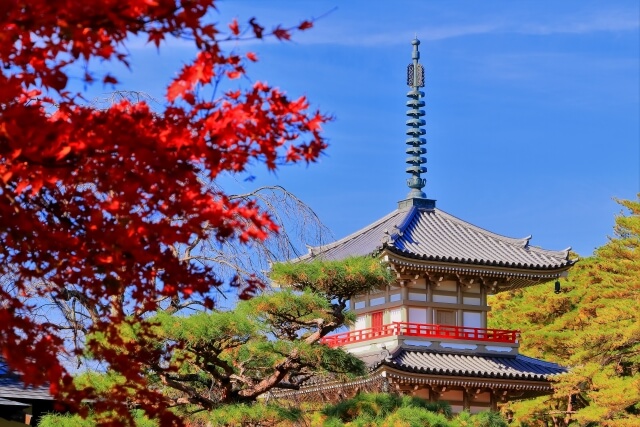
column 402, row 226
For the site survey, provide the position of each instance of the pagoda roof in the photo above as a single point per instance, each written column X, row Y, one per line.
column 11, row 387
column 439, row 368
column 7, row 402
column 467, row 365
column 431, row 234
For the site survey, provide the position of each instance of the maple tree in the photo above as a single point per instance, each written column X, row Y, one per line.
column 93, row 201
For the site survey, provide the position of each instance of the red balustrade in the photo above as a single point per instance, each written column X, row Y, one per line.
column 422, row 330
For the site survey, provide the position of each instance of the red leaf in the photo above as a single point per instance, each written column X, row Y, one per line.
column 281, row 33
column 305, row 25
column 234, row 27
column 109, row 79
column 257, row 29
column 156, row 37
column 21, row 186
column 176, row 88
column 63, row 152
column 252, row 56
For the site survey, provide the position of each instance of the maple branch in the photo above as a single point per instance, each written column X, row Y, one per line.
column 89, row 305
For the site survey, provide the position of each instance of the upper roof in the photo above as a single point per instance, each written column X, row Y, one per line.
column 434, row 235
column 500, row 367
column 417, row 230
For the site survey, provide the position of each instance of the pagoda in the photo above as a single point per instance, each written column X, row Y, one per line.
column 427, row 335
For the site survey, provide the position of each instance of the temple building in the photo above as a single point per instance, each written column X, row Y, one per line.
column 427, row 334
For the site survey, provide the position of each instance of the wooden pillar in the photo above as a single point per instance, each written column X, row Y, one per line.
column 466, row 399
column 429, row 300
column 459, row 316
column 494, row 401
column 483, row 304
column 498, row 396
column 435, row 392
column 404, row 292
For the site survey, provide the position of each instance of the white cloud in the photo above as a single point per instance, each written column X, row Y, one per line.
column 360, row 33
column 603, row 21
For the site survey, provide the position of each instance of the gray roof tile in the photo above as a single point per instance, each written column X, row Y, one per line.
column 432, row 234
column 13, row 388
column 6, row 402
column 502, row 367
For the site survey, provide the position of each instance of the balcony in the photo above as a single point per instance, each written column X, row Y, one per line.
column 422, row 330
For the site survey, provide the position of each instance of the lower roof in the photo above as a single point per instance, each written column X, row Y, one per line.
column 11, row 387
column 7, row 402
column 472, row 365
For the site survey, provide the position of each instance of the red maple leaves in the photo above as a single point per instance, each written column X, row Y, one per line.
column 92, row 201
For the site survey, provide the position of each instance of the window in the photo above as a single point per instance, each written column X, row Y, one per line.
column 376, row 301
column 446, row 317
column 472, row 319
column 417, row 315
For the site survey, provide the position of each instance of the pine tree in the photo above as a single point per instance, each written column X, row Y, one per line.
column 593, row 327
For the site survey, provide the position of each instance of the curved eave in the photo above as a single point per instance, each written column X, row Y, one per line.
column 510, row 368
column 467, row 373
column 498, row 265
column 516, row 384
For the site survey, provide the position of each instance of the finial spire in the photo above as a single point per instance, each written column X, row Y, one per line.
column 415, row 80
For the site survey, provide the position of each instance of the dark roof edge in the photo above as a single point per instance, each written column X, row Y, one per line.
column 466, row 262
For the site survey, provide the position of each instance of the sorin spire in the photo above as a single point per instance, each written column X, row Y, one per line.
column 415, row 79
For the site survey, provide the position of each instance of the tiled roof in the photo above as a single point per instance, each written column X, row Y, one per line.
column 485, row 366
column 6, row 402
column 12, row 388
column 362, row 242
column 434, row 235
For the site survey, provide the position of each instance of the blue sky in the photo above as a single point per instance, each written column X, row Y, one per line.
column 532, row 108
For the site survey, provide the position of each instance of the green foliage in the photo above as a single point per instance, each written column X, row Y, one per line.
column 334, row 279
column 257, row 336
column 210, row 360
column 235, row 356
column 67, row 420
column 366, row 404
column 390, row 410
column 415, row 417
column 257, row 414
column 593, row 326
column 485, row 419
column 56, row 420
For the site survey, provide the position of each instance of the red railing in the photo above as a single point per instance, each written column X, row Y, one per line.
column 422, row 330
